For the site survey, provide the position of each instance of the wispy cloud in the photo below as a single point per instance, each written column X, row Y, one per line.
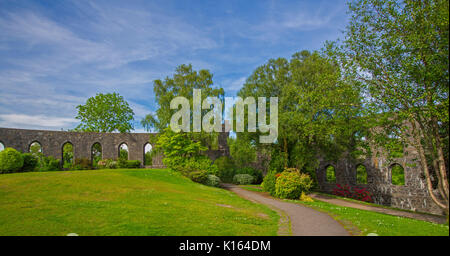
column 54, row 56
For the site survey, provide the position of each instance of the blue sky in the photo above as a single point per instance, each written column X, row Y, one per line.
column 56, row 54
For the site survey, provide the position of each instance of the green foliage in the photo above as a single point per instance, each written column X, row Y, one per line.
column 331, row 174
column 123, row 154
column 67, row 155
column 291, row 183
column 48, row 164
column 11, row 160
column 35, row 148
column 96, row 153
column 269, row 182
column 242, row 151
column 361, row 174
column 317, row 108
column 213, row 181
column 105, row 113
column 82, row 164
column 397, row 175
column 243, row 179
column 398, row 53
column 148, row 158
column 181, row 83
column 107, row 163
column 30, row 162
column 133, row 164
column 257, row 174
column 177, row 145
column 198, row 176
column 226, row 168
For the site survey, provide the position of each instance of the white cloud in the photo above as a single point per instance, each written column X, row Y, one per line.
column 40, row 121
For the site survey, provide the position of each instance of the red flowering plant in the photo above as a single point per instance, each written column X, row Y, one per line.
column 356, row 193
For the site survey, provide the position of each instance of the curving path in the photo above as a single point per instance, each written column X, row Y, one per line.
column 304, row 221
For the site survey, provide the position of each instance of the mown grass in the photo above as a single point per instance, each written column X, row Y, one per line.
column 125, row 202
column 362, row 222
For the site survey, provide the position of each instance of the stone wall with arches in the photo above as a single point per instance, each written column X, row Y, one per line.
column 52, row 143
column 412, row 195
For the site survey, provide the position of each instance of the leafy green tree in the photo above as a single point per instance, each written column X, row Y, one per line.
column 398, row 52
column 317, row 108
column 182, row 83
column 105, row 113
column 242, row 151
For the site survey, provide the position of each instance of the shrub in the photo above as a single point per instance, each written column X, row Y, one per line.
column 82, row 164
column 198, row 176
column 305, row 198
column 291, row 183
column 11, row 160
column 269, row 182
column 213, row 181
column 243, row 179
column 226, row 168
column 111, row 164
column 133, row 164
column 356, row 193
column 201, row 163
column 122, row 162
column 30, row 162
column 49, row 164
column 257, row 174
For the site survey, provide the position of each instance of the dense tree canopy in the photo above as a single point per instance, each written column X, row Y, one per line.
column 105, row 113
column 398, row 52
column 317, row 109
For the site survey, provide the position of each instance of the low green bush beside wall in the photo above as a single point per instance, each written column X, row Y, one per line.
column 11, row 160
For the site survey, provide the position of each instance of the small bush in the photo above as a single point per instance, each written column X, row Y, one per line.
column 356, row 193
column 30, row 162
column 11, row 160
column 213, row 181
column 122, row 162
column 198, row 176
column 243, row 179
column 133, row 164
column 291, row 183
column 48, row 164
column 305, row 198
column 82, row 164
column 226, row 168
column 257, row 174
column 269, row 182
column 111, row 164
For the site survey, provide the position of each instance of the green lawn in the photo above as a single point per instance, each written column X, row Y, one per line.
column 361, row 222
column 124, row 202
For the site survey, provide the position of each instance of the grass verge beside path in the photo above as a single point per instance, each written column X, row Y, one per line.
column 125, row 202
column 362, row 222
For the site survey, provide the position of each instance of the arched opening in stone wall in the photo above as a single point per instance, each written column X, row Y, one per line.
column 2, row 146
column 147, row 154
column 397, row 175
column 123, row 151
column 330, row 174
column 35, row 148
column 96, row 153
column 361, row 174
column 67, row 155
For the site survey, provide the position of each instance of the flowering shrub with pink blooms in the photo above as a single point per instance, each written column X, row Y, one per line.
column 356, row 193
